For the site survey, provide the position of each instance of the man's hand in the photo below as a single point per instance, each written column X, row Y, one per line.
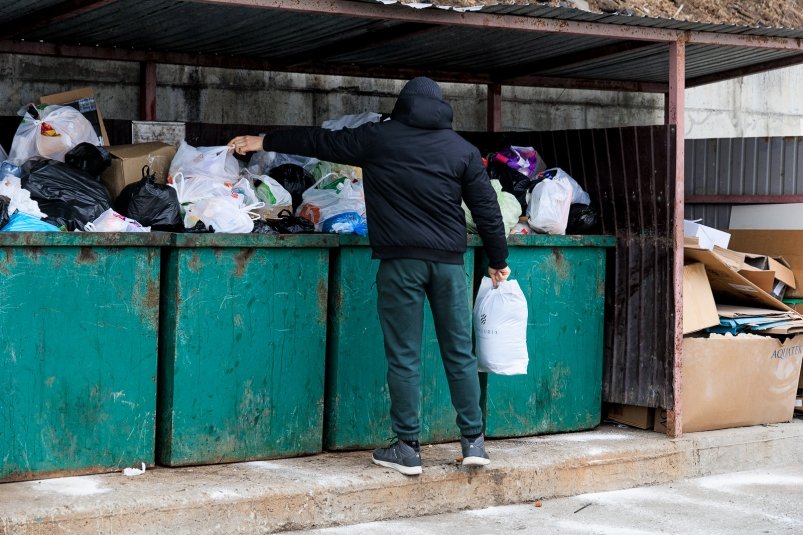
column 243, row 144
column 498, row 275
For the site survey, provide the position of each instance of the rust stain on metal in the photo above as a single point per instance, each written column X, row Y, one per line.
column 195, row 263
column 241, row 261
column 561, row 266
column 9, row 261
column 323, row 297
column 86, row 255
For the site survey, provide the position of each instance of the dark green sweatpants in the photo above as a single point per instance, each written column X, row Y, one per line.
column 402, row 285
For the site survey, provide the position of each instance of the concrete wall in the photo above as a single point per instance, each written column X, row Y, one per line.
column 759, row 105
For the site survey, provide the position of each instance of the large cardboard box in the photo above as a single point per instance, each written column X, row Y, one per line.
column 784, row 243
column 699, row 308
column 734, row 381
column 128, row 160
column 632, row 415
column 772, row 275
column 83, row 100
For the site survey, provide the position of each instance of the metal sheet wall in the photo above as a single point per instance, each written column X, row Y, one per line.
column 740, row 166
column 627, row 172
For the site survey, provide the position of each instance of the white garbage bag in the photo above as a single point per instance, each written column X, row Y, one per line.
column 500, row 328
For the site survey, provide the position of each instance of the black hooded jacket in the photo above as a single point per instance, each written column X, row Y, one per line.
column 416, row 170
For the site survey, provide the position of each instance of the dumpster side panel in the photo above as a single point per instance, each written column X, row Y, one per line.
column 565, row 290
column 247, row 365
column 357, row 399
column 78, row 347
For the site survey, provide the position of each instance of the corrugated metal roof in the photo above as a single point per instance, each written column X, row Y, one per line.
column 326, row 37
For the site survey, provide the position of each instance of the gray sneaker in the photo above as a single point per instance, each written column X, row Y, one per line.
column 474, row 453
column 399, row 456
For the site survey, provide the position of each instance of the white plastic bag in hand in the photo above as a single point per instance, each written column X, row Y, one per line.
column 214, row 163
column 500, row 328
column 548, row 209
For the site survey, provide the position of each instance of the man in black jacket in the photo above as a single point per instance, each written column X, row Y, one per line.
column 416, row 172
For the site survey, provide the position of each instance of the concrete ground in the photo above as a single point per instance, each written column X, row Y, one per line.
column 753, row 502
column 345, row 489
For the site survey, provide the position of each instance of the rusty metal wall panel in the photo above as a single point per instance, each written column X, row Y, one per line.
column 627, row 173
column 740, row 166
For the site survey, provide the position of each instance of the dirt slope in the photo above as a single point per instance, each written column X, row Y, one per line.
column 772, row 13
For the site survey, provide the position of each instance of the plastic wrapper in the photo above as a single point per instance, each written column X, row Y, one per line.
column 213, row 163
column 20, row 199
column 287, row 223
column 508, row 205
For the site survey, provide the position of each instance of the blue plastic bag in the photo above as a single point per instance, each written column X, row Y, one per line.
column 346, row 223
column 22, row 222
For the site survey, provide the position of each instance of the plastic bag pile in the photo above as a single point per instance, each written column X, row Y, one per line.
column 51, row 176
column 535, row 199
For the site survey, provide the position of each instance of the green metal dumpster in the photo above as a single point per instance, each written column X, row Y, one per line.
column 78, row 346
column 242, row 347
column 563, row 278
column 357, row 400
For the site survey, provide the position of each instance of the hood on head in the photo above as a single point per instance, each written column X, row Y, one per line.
column 421, row 105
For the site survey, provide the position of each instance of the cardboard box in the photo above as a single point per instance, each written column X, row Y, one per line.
column 82, row 100
column 773, row 275
column 632, row 415
column 128, row 160
column 733, row 381
column 729, row 286
column 707, row 236
column 699, row 309
column 776, row 243
column 660, row 421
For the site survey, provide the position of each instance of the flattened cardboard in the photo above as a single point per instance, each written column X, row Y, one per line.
column 128, row 160
column 699, row 308
column 777, row 243
column 730, row 287
column 83, row 100
column 735, row 381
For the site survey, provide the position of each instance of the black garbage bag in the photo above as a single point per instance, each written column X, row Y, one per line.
column 200, row 228
column 70, row 197
column 88, row 157
column 263, row 227
column 513, row 181
column 4, row 202
column 583, row 219
column 151, row 204
column 288, row 223
column 294, row 179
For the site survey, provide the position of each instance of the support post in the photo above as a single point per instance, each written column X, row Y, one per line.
column 494, row 115
column 147, row 91
column 675, row 109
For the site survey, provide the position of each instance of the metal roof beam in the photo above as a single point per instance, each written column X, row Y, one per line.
column 385, row 32
column 479, row 19
column 44, row 17
column 568, row 60
column 765, row 66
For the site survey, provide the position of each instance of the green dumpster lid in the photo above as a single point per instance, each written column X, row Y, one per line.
column 547, row 240
column 255, row 240
column 85, row 239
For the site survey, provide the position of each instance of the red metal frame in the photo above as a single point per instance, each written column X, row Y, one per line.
column 147, row 91
column 676, row 104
